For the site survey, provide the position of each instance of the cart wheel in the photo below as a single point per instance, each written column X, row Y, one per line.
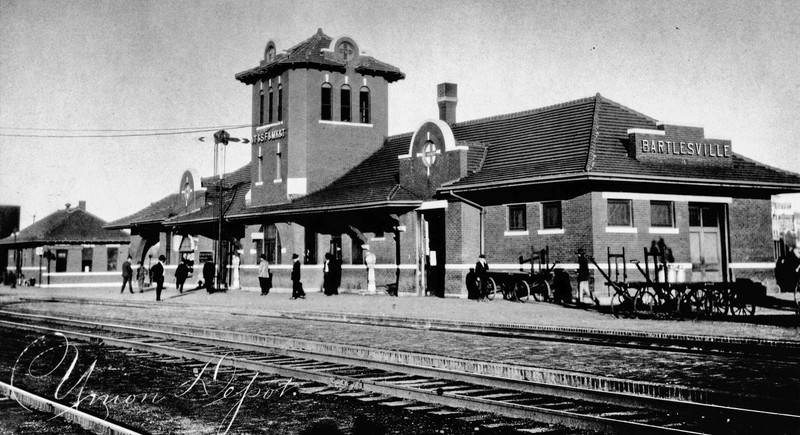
column 522, row 291
column 645, row 302
column 797, row 298
column 739, row 306
column 619, row 306
column 541, row 291
column 491, row 288
column 690, row 306
column 716, row 302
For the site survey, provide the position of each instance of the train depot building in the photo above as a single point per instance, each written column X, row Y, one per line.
column 325, row 177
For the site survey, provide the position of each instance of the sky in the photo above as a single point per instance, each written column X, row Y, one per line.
column 106, row 68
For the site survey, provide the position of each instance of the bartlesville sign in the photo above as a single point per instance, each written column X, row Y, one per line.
column 672, row 143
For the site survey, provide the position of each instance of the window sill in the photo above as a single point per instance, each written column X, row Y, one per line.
column 259, row 183
column 354, row 124
column 277, row 181
column 624, row 230
column 551, row 231
column 663, row 230
column 266, row 126
column 515, row 233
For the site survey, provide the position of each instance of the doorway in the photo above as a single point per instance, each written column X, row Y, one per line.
column 707, row 241
column 432, row 250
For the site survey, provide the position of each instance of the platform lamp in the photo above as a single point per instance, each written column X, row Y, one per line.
column 220, row 137
column 16, row 259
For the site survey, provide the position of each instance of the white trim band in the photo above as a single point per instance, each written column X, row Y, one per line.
column 550, row 231
column 662, row 197
column 622, row 230
column 353, row 124
column 663, row 230
column 514, row 233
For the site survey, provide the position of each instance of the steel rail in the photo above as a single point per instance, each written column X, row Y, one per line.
column 291, row 347
column 703, row 344
column 68, row 413
column 376, row 386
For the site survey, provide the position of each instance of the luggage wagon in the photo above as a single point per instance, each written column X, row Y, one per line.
column 658, row 298
column 521, row 286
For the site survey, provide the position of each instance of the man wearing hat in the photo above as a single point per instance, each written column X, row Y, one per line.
column 297, row 286
column 158, row 275
column 482, row 273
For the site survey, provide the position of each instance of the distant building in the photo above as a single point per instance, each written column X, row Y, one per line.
column 70, row 247
column 9, row 223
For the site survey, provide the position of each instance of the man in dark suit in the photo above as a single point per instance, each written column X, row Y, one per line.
column 482, row 273
column 297, row 286
column 158, row 275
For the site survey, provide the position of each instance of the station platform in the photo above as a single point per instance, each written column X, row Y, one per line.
column 777, row 322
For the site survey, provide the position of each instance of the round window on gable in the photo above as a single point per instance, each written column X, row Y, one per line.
column 269, row 52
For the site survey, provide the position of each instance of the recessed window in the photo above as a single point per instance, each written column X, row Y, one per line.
column 269, row 113
column 551, row 215
column 86, row 259
column 280, row 103
column 261, row 107
column 310, row 254
column 363, row 105
column 662, row 214
column 345, row 97
column 270, row 245
column 619, row 213
column 517, row 218
column 112, row 255
column 326, row 102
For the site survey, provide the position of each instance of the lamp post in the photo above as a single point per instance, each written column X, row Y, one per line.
column 16, row 260
column 220, row 137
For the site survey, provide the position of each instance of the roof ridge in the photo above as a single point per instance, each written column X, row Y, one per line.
column 591, row 154
column 525, row 112
column 626, row 108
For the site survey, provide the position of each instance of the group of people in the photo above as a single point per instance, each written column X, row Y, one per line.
column 127, row 276
column 156, row 275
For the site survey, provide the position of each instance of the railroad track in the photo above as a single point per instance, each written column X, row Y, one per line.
column 412, row 380
column 759, row 348
column 782, row 350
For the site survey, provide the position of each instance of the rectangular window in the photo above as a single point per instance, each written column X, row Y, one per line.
column 280, row 104
column 269, row 113
column 346, row 117
column 261, row 108
column 551, row 215
column 86, row 259
column 326, row 103
column 61, row 260
column 662, row 214
column 357, row 251
column 363, row 106
column 310, row 256
column 113, row 254
column 517, row 218
column 278, row 176
column 260, row 164
column 619, row 213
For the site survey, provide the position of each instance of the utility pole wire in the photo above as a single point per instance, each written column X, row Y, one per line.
column 78, row 136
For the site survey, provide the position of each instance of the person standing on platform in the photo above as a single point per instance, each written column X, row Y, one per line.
column 208, row 276
column 127, row 275
column 264, row 278
column 370, row 260
column 297, row 285
column 235, row 262
column 181, row 273
column 158, row 275
column 327, row 275
column 584, row 292
column 482, row 274
column 141, row 274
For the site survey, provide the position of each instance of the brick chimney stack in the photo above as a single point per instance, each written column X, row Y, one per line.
column 447, row 98
column 82, row 205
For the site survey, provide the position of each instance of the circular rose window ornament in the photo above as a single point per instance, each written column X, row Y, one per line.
column 346, row 49
column 429, row 155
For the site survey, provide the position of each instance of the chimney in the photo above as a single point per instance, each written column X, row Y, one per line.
column 82, row 205
column 447, row 98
